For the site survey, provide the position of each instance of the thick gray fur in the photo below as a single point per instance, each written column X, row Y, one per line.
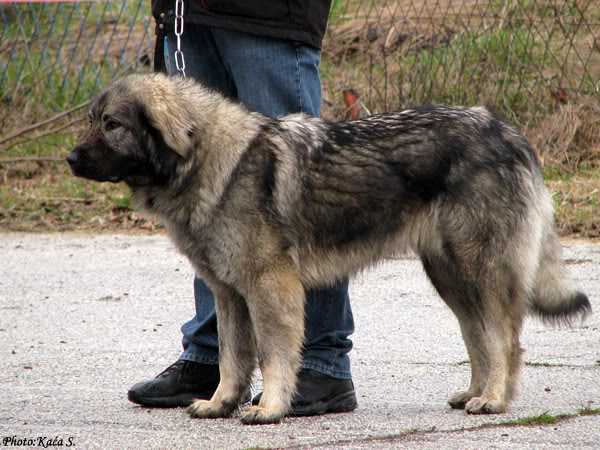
column 266, row 208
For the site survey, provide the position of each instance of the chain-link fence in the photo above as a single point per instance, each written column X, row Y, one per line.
column 522, row 56
column 54, row 56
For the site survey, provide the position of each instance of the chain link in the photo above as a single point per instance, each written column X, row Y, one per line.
column 179, row 59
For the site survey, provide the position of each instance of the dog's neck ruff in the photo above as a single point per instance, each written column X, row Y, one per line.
column 189, row 199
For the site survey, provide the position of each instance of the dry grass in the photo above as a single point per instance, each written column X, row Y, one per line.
column 577, row 203
column 568, row 143
column 45, row 72
column 44, row 196
column 536, row 62
column 524, row 58
column 570, row 137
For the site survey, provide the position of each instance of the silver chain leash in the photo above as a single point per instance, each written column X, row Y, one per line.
column 179, row 59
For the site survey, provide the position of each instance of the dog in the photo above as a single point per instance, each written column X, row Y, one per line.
column 264, row 208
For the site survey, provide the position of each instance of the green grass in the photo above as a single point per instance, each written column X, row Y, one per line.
column 64, row 55
column 542, row 419
column 576, row 197
column 53, row 145
column 550, row 419
column 556, row 173
column 46, row 196
column 122, row 200
column 497, row 67
column 337, row 7
column 512, row 65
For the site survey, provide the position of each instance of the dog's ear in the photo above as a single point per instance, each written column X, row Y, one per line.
column 171, row 119
column 161, row 156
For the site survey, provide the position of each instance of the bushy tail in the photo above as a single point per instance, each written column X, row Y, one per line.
column 553, row 299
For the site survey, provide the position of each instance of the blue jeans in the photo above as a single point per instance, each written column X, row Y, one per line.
column 274, row 77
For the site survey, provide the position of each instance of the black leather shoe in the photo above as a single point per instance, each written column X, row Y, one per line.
column 320, row 394
column 178, row 385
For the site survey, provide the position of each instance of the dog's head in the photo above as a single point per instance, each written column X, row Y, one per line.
column 138, row 132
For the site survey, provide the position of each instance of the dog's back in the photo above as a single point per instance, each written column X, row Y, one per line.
column 461, row 188
column 392, row 181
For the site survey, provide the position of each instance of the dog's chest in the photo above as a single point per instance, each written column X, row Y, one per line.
column 208, row 251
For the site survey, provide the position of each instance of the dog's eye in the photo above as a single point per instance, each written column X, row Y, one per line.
column 110, row 123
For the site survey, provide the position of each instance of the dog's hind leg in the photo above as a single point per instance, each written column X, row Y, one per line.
column 446, row 281
column 237, row 355
column 515, row 289
column 515, row 356
column 472, row 333
column 276, row 307
column 503, row 303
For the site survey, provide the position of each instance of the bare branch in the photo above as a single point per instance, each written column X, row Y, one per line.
column 43, row 123
column 31, row 158
column 46, row 133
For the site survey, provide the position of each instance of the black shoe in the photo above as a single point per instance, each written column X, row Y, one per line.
column 320, row 394
column 178, row 385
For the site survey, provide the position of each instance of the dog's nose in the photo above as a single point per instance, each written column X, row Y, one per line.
column 72, row 158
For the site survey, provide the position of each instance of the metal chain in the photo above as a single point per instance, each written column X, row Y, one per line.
column 179, row 59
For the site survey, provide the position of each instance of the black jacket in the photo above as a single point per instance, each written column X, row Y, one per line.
column 303, row 21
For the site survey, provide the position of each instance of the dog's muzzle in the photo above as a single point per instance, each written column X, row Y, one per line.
column 80, row 168
column 74, row 161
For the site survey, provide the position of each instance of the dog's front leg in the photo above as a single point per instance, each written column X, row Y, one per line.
column 237, row 356
column 276, row 306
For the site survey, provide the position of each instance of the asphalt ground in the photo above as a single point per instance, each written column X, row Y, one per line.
column 82, row 318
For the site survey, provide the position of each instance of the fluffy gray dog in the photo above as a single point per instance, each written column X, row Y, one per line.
column 264, row 208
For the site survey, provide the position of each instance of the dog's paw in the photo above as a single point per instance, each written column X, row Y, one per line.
column 255, row 415
column 460, row 399
column 206, row 409
column 483, row 405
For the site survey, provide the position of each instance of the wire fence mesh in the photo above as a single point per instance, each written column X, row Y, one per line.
column 54, row 56
column 521, row 56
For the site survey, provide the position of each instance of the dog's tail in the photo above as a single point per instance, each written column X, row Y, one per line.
column 553, row 299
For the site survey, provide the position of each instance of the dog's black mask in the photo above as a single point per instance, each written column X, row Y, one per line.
column 121, row 145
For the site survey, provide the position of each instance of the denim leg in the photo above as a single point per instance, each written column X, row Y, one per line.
column 328, row 322
column 202, row 59
column 200, row 339
column 203, row 62
column 274, row 77
column 277, row 77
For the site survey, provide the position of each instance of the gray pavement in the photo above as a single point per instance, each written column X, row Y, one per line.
column 84, row 317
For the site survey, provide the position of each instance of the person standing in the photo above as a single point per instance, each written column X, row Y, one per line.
column 265, row 54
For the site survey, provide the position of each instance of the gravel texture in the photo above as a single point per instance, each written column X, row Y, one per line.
column 84, row 317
